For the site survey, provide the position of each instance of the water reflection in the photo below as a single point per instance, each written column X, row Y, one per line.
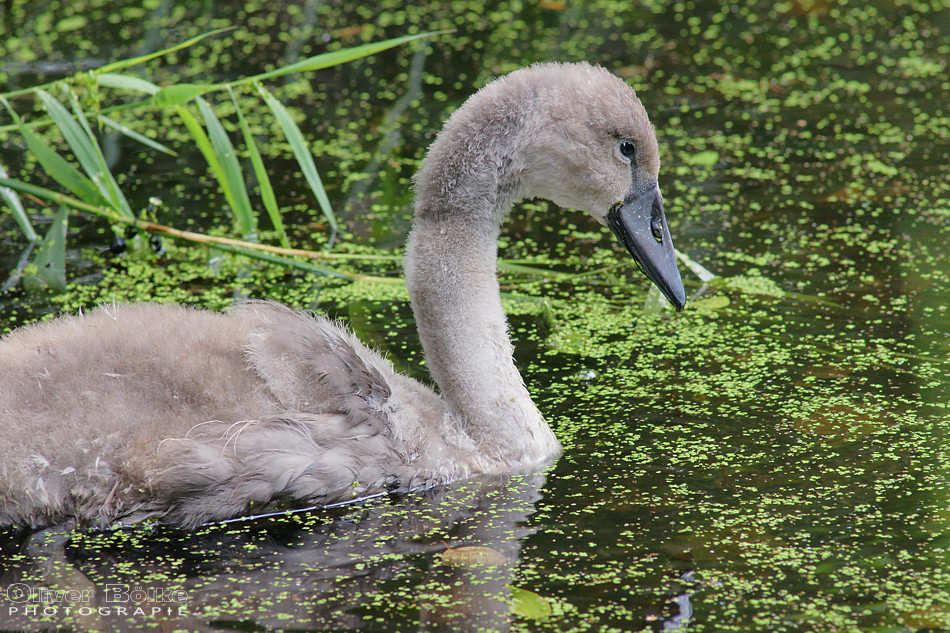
column 341, row 568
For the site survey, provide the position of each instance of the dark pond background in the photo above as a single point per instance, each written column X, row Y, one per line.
column 774, row 458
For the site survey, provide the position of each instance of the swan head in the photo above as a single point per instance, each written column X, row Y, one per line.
column 589, row 145
column 574, row 134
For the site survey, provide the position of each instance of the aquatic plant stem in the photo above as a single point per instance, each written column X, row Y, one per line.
column 226, row 243
column 251, row 249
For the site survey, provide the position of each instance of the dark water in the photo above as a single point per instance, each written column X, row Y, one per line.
column 774, row 458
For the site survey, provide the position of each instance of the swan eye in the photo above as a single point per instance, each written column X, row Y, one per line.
column 628, row 149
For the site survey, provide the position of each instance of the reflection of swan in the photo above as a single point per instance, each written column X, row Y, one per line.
column 684, row 607
column 337, row 569
column 147, row 410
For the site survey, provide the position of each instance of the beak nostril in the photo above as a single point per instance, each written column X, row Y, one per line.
column 656, row 221
column 656, row 227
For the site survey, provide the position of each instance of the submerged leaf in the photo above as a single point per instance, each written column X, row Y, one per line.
column 50, row 261
column 19, row 213
column 697, row 269
column 711, row 303
column 654, row 303
column 706, row 158
column 470, row 555
column 528, row 604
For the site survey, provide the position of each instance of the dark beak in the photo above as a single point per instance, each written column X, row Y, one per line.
column 640, row 224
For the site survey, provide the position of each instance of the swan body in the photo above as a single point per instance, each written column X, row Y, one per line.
column 137, row 411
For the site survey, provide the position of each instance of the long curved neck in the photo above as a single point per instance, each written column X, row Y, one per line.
column 450, row 265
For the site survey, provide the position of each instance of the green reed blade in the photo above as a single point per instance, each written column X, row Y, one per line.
column 126, row 82
column 132, row 134
column 179, row 93
column 234, row 186
column 112, row 187
column 75, row 138
column 263, row 179
column 325, row 60
column 57, row 167
column 132, row 61
column 81, row 141
column 202, row 141
column 304, row 158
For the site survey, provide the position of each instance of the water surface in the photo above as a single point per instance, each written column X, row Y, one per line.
column 774, row 458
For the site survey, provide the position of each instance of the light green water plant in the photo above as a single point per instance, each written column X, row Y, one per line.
column 94, row 189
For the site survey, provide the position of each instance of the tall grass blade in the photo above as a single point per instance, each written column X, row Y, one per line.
column 233, row 184
column 179, row 93
column 288, row 262
column 75, row 137
column 304, row 159
column 207, row 150
column 201, row 140
column 263, row 179
column 135, row 136
column 325, row 60
column 81, row 141
column 256, row 251
column 57, row 167
column 19, row 213
column 544, row 273
column 112, row 187
column 162, row 96
column 132, row 61
column 50, row 258
column 126, row 82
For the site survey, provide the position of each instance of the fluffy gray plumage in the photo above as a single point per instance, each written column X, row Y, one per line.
column 137, row 411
